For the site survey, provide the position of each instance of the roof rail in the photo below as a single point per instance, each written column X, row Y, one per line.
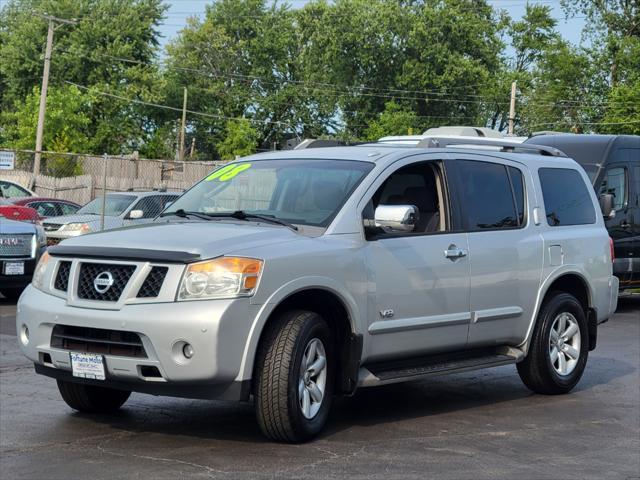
column 505, row 145
column 324, row 143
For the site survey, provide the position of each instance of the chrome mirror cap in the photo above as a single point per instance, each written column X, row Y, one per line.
column 397, row 218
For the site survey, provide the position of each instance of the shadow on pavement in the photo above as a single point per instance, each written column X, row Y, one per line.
column 369, row 407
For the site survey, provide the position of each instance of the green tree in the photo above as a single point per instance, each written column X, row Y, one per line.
column 68, row 127
column 614, row 28
column 88, row 54
column 394, row 120
column 240, row 139
column 565, row 93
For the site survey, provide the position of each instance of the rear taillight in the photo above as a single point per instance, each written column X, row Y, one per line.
column 613, row 253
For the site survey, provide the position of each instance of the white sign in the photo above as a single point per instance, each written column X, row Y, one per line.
column 87, row 365
column 7, row 160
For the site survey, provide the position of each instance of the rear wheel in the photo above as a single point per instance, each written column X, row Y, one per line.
column 294, row 377
column 559, row 347
column 90, row 398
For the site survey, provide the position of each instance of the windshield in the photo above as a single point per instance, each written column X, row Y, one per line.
column 114, row 205
column 305, row 192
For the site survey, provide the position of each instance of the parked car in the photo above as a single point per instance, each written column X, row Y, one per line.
column 294, row 276
column 612, row 163
column 21, row 245
column 121, row 209
column 48, row 207
column 11, row 189
column 17, row 212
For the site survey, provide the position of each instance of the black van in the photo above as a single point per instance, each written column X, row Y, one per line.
column 613, row 165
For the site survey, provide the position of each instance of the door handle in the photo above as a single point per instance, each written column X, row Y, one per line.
column 625, row 225
column 453, row 252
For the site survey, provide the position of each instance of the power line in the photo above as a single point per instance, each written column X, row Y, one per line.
column 384, row 93
column 175, row 109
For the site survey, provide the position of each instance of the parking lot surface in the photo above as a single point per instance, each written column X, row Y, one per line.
column 476, row 425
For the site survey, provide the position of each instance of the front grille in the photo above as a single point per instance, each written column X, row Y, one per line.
column 15, row 245
column 153, row 283
column 51, row 227
column 62, row 277
column 87, row 288
column 97, row 340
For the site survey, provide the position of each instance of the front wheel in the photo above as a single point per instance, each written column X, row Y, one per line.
column 92, row 399
column 294, row 377
column 559, row 347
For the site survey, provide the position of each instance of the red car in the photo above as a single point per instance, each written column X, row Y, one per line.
column 18, row 212
column 47, row 207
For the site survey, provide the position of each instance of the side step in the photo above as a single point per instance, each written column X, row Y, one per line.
column 414, row 368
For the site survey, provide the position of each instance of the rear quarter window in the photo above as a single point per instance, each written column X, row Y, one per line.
column 566, row 197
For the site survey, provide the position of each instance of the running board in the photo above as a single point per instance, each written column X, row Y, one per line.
column 414, row 368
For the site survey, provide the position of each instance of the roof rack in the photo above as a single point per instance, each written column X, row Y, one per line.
column 505, row 145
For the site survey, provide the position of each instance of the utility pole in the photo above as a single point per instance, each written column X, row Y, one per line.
column 512, row 108
column 45, row 85
column 182, row 127
column 193, row 147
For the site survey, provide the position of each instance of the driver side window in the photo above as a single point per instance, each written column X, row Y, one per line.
column 419, row 185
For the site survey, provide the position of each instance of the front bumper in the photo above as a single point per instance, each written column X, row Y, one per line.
column 217, row 330
column 19, row 281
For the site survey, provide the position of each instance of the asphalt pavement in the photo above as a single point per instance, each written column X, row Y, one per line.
column 476, row 425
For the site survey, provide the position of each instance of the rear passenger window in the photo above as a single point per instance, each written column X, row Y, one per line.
column 487, row 195
column 566, row 197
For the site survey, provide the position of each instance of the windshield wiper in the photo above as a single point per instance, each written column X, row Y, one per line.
column 182, row 214
column 242, row 215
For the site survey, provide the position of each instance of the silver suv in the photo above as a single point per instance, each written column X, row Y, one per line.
column 291, row 277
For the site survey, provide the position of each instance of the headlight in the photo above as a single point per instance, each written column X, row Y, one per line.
column 223, row 277
column 76, row 227
column 38, row 274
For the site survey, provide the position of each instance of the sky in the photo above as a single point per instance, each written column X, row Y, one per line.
column 180, row 10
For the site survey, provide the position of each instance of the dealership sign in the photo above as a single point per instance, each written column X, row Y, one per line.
column 7, row 160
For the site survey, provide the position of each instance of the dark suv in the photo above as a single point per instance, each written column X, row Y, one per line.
column 612, row 163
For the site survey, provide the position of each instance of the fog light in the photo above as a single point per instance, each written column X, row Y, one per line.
column 187, row 350
column 24, row 335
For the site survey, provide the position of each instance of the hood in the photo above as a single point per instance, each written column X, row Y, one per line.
column 13, row 227
column 207, row 239
column 66, row 219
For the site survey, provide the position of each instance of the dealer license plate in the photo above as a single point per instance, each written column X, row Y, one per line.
column 14, row 268
column 87, row 365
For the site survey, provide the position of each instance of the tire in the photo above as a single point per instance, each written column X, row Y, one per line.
column 286, row 408
column 92, row 399
column 552, row 366
column 12, row 293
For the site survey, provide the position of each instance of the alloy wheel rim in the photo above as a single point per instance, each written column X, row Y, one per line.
column 312, row 380
column 564, row 343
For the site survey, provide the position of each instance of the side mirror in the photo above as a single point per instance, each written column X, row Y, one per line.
column 396, row 218
column 136, row 214
column 607, row 206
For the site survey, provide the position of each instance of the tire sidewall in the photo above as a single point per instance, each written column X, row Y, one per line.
column 315, row 327
column 559, row 304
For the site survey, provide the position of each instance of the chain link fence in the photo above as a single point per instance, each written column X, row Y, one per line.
column 81, row 178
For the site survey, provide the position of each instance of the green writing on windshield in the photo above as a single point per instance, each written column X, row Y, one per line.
column 228, row 172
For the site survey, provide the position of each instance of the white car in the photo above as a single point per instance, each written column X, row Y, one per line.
column 12, row 190
column 121, row 209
